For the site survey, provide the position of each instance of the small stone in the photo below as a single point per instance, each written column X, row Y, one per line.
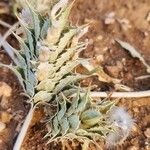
column 148, row 16
column 100, row 37
column 96, row 49
column 99, row 58
column 2, row 126
column 6, row 117
column 136, row 110
column 110, row 18
column 146, row 34
column 91, row 42
column 5, row 89
column 113, row 70
column 4, row 102
column 105, row 49
column 109, row 21
column 135, row 128
column 125, row 23
column 147, row 132
column 132, row 148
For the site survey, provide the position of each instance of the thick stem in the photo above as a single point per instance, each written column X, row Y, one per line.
column 24, row 129
column 120, row 94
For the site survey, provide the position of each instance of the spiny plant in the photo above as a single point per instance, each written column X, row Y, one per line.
column 45, row 66
column 42, row 6
column 80, row 117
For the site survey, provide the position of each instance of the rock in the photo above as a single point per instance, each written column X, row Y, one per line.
column 5, row 89
column 136, row 110
column 100, row 37
column 125, row 23
column 5, row 117
column 113, row 70
column 2, row 126
column 110, row 18
column 99, row 58
column 147, row 132
column 148, row 16
column 4, row 102
column 133, row 148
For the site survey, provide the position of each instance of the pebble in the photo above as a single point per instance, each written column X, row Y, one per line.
column 136, row 110
column 125, row 23
column 100, row 37
column 133, row 148
column 4, row 102
column 2, row 126
column 6, row 117
column 113, row 70
column 110, row 18
column 5, row 89
column 148, row 16
column 99, row 58
column 147, row 132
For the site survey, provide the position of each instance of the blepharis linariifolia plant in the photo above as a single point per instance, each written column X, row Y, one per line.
column 45, row 66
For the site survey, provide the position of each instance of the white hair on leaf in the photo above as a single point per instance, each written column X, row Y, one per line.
column 116, row 138
column 122, row 123
column 120, row 118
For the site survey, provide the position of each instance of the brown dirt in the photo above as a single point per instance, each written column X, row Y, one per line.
column 104, row 51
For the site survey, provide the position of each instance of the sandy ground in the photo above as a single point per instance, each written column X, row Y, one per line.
column 109, row 20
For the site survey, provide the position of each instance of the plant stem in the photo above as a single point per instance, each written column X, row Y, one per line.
column 24, row 129
column 5, row 24
column 120, row 94
column 9, row 32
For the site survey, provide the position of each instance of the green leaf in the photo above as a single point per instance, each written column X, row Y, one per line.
column 74, row 122
column 55, row 128
column 62, row 111
column 42, row 96
column 66, row 38
column 47, row 85
column 89, row 135
column 64, row 17
column 90, row 117
column 31, row 43
column 66, row 81
column 83, row 102
column 36, row 23
column 66, row 56
column 44, row 29
column 31, row 82
column 67, row 68
column 25, row 49
column 106, row 106
column 29, row 37
column 102, row 130
column 67, row 93
column 29, row 88
column 64, row 125
column 74, row 104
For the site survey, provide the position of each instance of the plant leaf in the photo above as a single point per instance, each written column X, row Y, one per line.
column 74, row 122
